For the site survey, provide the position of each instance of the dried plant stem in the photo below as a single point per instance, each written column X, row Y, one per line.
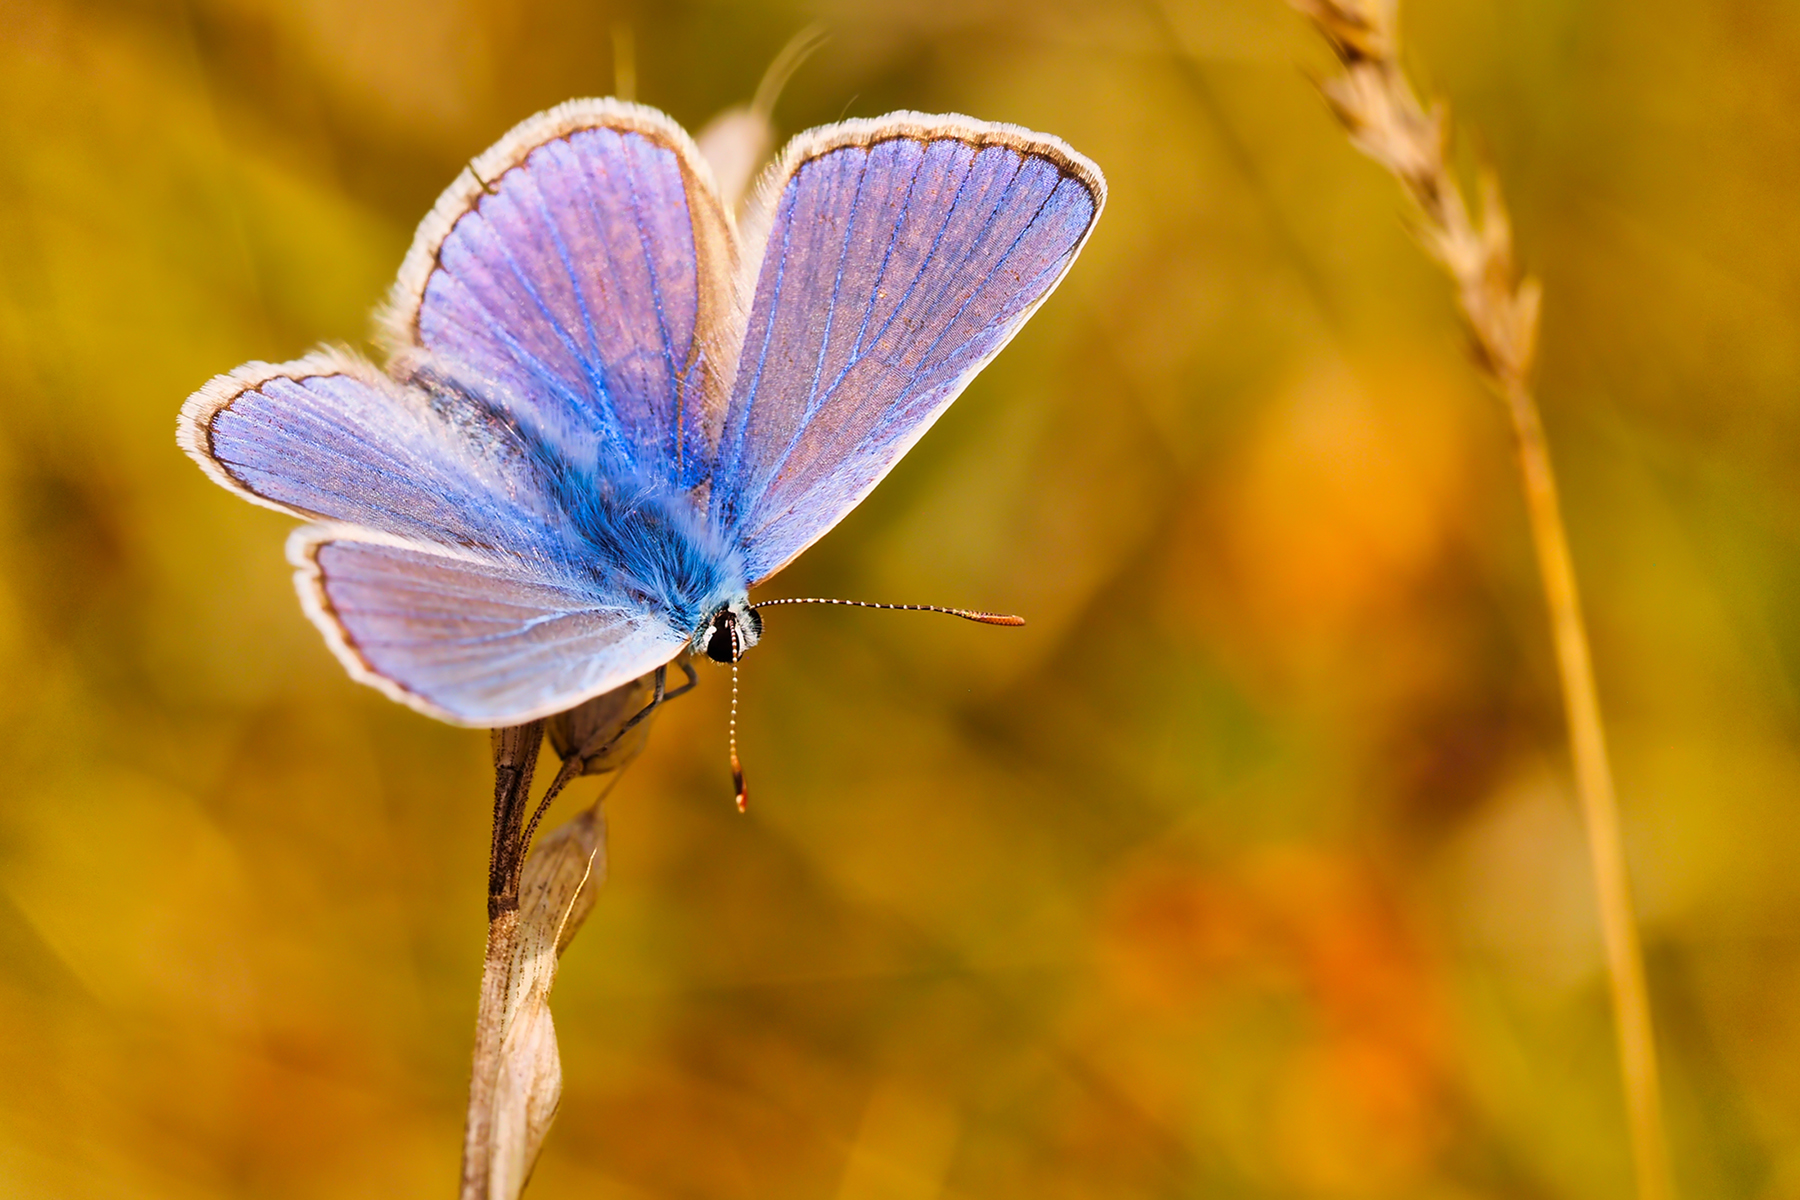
column 1385, row 120
column 1599, row 806
column 535, row 906
column 515, row 761
column 503, row 932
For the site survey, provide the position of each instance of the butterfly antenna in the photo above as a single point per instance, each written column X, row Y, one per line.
column 799, row 48
column 737, row 768
column 967, row 614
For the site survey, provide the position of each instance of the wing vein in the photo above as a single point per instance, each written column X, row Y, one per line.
column 588, row 363
column 735, row 506
column 925, row 261
column 768, row 477
column 662, row 319
column 887, row 255
column 837, row 288
column 987, row 228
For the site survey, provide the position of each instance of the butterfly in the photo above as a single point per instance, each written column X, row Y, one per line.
column 611, row 408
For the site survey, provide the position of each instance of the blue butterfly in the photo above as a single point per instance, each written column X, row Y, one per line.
column 611, row 410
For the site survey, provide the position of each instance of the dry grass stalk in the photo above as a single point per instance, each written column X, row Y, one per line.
column 515, row 762
column 1386, row 121
column 556, row 893
column 535, row 906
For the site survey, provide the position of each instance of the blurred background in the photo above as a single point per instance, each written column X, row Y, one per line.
column 1249, row 869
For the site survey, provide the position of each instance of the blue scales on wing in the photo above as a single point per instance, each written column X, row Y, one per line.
column 331, row 437
column 901, row 256
column 579, row 272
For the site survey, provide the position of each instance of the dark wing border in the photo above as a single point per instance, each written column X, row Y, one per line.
column 193, row 427
column 759, row 214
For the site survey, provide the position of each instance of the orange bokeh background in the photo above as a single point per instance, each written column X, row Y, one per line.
column 1249, row 868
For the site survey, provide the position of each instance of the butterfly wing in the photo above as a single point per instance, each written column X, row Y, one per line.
column 469, row 638
column 581, row 268
column 332, row 437
column 901, row 255
column 445, row 577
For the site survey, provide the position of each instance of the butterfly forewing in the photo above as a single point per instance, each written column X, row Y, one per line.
column 581, row 269
column 901, row 255
column 329, row 436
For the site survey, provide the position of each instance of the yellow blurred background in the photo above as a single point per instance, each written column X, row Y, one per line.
column 1248, row 869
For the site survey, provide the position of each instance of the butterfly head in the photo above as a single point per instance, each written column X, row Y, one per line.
column 733, row 628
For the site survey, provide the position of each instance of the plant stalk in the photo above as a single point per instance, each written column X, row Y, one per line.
column 1599, row 804
column 1382, row 114
column 515, row 761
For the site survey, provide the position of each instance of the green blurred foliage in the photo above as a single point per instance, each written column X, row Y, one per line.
column 1248, row 869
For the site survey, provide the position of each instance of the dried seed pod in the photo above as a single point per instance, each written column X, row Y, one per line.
column 591, row 732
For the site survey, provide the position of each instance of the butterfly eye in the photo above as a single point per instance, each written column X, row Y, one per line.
column 721, row 640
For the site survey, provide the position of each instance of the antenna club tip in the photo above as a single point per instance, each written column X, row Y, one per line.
column 997, row 619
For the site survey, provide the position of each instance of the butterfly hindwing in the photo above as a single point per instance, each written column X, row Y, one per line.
column 581, row 268
column 466, row 637
column 901, row 255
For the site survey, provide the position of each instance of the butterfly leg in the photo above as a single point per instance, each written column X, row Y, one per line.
column 693, row 681
column 661, row 696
